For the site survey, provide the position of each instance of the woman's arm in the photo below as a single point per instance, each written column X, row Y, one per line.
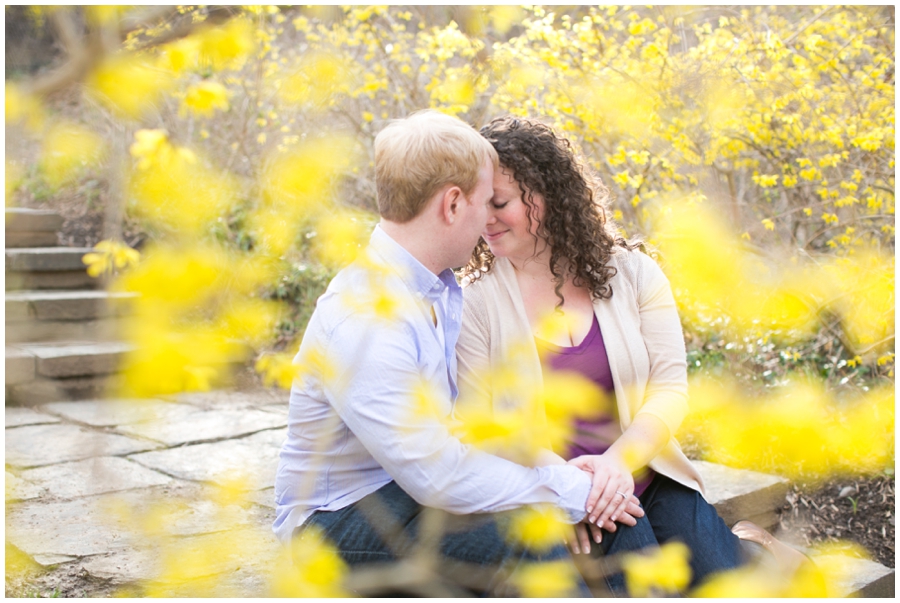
column 664, row 404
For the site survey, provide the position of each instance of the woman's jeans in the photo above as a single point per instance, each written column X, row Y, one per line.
column 475, row 551
column 675, row 512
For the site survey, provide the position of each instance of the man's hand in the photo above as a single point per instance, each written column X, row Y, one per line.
column 612, row 486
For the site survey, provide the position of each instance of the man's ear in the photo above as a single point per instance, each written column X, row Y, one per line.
column 451, row 202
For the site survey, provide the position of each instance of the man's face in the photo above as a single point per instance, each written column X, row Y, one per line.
column 474, row 212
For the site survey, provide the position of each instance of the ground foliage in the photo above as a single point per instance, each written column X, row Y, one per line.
column 752, row 148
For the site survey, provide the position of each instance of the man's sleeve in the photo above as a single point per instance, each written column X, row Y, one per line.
column 376, row 388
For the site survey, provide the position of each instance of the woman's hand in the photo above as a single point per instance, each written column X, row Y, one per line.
column 584, row 531
column 611, row 489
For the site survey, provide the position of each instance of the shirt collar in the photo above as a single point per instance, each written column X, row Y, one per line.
column 420, row 280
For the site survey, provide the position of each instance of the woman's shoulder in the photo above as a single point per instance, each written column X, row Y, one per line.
column 634, row 267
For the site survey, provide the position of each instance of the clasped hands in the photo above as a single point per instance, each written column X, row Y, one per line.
column 611, row 499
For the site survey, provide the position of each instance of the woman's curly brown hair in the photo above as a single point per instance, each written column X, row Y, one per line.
column 575, row 224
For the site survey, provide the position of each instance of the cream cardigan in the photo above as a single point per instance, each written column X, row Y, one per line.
column 641, row 331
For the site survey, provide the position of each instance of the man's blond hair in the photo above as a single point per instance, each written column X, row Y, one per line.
column 417, row 156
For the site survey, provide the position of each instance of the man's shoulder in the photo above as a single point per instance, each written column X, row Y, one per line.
column 365, row 296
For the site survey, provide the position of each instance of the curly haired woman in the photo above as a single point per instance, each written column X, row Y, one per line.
column 548, row 247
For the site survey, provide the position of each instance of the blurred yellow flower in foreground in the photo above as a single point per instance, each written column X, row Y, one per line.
column 319, row 79
column 108, row 256
column 128, row 85
column 565, row 397
column 225, row 46
column 340, row 237
column 21, row 106
column 66, row 149
column 277, row 369
column 172, row 187
column 204, row 98
column 663, row 571
column 298, row 181
column 550, row 579
column 538, row 528
column 311, row 567
column 799, row 427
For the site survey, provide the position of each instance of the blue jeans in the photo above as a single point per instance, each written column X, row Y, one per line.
column 675, row 512
column 475, row 553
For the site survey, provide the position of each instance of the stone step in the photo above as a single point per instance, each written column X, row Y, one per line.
column 62, row 360
column 48, row 268
column 35, row 316
column 41, row 390
column 741, row 494
column 24, row 220
column 65, row 305
column 46, row 259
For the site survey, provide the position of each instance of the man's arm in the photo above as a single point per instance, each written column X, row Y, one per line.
column 375, row 378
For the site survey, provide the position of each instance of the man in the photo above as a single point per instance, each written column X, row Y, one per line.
column 367, row 450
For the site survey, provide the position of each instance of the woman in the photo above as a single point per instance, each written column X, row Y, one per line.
column 549, row 248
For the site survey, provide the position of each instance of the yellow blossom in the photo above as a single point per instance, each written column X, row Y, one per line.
column 311, row 567
column 109, row 256
column 549, row 579
column 538, row 528
column 128, row 85
column 768, row 224
column 68, row 147
column 663, row 571
column 277, row 369
column 204, row 98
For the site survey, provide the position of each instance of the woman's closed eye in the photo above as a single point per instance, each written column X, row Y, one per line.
column 499, row 205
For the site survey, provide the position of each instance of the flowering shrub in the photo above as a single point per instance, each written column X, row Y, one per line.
column 752, row 147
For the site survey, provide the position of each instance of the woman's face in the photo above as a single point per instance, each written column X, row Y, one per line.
column 509, row 232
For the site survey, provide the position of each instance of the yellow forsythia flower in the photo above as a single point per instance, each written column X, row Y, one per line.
column 277, row 369
column 66, row 148
column 538, row 528
column 206, row 97
column 664, row 571
column 128, row 85
column 108, row 256
column 310, row 568
column 545, row 580
column 769, row 224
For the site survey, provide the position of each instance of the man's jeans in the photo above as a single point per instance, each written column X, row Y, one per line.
column 675, row 512
column 475, row 552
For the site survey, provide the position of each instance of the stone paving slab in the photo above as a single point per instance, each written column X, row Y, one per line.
column 20, row 489
column 37, row 445
column 185, row 424
column 252, row 459
column 93, row 476
column 222, row 399
column 75, row 528
column 46, row 259
column 109, row 413
column 17, row 417
column 264, row 497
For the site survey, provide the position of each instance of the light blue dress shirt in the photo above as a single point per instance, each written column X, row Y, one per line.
column 373, row 399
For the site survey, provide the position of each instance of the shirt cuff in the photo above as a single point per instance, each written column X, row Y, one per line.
column 573, row 487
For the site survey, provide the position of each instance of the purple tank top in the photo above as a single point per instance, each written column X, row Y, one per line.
column 589, row 359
